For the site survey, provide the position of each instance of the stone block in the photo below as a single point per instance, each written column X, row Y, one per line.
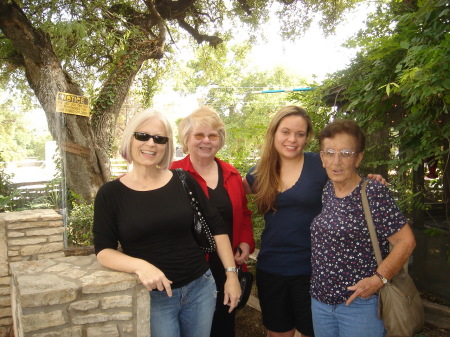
column 143, row 312
column 13, row 253
column 25, row 241
column 84, row 305
column 15, row 234
column 5, row 281
column 103, row 331
column 5, row 301
column 31, row 215
column 5, row 312
column 69, row 332
column 121, row 316
column 4, row 291
column 5, row 321
column 127, row 327
column 55, row 238
column 42, row 249
column 45, row 231
column 53, row 255
column 45, row 290
column 90, row 319
column 34, row 322
column 16, row 226
column 107, row 281
column 4, row 270
column 117, row 302
column 5, row 330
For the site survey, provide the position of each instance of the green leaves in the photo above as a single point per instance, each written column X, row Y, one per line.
column 398, row 90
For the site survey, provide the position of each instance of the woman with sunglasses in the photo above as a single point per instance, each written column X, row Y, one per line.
column 202, row 135
column 288, row 184
column 149, row 214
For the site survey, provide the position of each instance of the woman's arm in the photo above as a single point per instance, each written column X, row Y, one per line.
column 247, row 187
column 232, row 289
column 245, row 237
column 403, row 243
column 150, row 276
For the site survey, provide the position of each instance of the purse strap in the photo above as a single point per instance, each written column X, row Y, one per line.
column 369, row 221
column 182, row 176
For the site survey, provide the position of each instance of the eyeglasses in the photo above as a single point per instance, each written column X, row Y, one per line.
column 201, row 136
column 144, row 137
column 345, row 153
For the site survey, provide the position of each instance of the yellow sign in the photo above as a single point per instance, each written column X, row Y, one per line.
column 72, row 104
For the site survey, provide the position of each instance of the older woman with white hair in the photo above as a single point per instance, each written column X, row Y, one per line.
column 346, row 277
column 202, row 134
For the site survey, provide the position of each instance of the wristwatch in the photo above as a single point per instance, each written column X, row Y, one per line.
column 382, row 278
column 233, row 269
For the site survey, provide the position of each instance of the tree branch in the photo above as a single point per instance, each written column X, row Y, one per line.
column 212, row 40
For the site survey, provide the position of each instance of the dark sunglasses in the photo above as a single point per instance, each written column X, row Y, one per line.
column 144, row 137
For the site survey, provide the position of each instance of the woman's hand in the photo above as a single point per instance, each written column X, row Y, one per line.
column 377, row 177
column 242, row 253
column 153, row 278
column 232, row 291
column 365, row 288
column 150, row 276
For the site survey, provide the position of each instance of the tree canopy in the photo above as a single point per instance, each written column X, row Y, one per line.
column 398, row 88
column 100, row 48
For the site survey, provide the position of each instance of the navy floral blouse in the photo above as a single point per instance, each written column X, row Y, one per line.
column 342, row 253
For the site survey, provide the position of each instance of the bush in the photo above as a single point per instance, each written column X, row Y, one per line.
column 8, row 193
column 80, row 223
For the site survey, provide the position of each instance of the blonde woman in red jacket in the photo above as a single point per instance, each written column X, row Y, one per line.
column 202, row 135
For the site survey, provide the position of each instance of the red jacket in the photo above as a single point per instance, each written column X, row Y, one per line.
column 232, row 181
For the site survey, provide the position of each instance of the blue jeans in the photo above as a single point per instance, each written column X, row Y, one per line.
column 358, row 319
column 188, row 313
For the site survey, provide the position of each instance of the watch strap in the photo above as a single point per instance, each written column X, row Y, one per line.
column 232, row 269
column 381, row 277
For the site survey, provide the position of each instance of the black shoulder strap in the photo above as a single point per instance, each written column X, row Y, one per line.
column 182, row 175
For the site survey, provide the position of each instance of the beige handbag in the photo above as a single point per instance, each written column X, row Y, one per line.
column 399, row 303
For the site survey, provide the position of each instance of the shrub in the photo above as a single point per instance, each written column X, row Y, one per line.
column 80, row 223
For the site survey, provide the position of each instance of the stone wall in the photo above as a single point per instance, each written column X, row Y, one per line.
column 76, row 297
column 45, row 294
column 25, row 236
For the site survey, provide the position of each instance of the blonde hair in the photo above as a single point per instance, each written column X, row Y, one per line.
column 205, row 116
column 135, row 123
column 267, row 172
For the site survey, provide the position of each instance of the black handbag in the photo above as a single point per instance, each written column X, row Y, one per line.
column 246, row 281
column 200, row 230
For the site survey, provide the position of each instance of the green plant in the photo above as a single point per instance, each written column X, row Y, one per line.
column 432, row 232
column 257, row 220
column 8, row 193
column 81, row 220
column 51, row 197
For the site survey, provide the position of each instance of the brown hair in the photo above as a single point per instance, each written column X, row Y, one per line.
column 345, row 126
column 267, row 172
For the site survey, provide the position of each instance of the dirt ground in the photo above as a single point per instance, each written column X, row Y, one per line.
column 249, row 324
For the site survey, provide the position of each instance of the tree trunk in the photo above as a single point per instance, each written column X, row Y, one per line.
column 84, row 145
